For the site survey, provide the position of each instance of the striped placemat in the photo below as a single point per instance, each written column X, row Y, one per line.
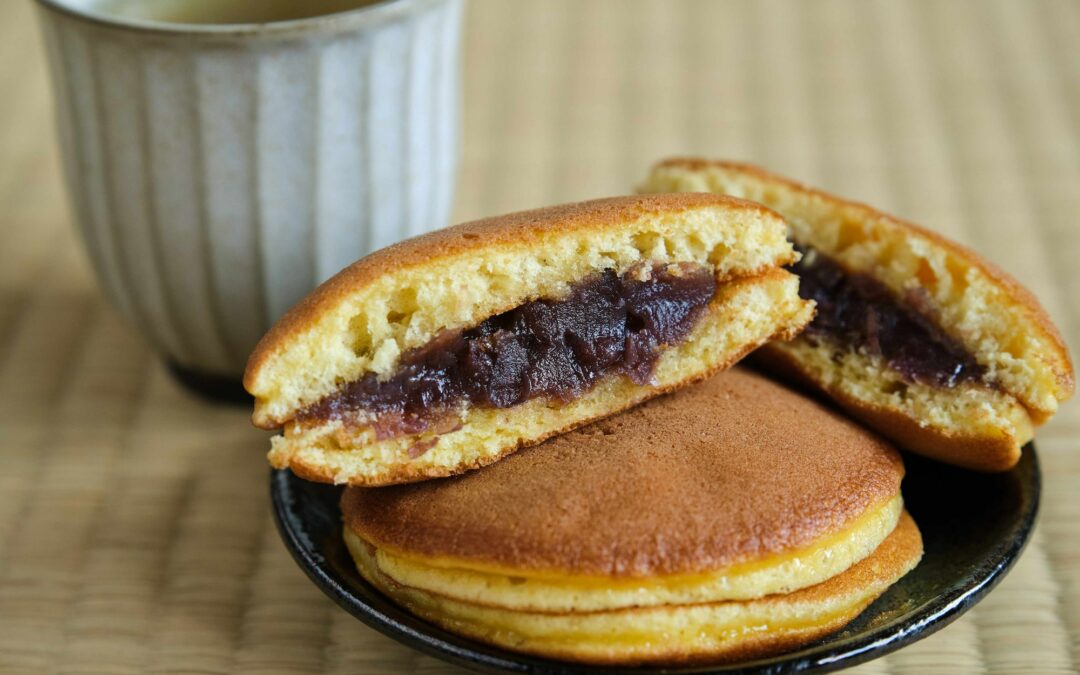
column 135, row 533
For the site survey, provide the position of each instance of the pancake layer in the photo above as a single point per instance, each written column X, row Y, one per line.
column 1023, row 367
column 403, row 296
column 360, row 325
column 971, row 425
column 713, row 632
column 528, row 591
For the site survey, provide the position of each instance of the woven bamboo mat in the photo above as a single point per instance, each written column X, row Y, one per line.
column 135, row 533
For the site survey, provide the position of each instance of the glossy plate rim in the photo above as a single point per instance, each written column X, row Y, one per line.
column 822, row 656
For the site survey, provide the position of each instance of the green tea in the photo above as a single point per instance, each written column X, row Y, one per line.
column 225, row 11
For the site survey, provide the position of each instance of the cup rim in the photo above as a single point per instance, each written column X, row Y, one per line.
column 377, row 12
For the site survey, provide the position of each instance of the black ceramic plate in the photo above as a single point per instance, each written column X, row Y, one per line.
column 974, row 527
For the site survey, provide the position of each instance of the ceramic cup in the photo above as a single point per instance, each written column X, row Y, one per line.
column 219, row 172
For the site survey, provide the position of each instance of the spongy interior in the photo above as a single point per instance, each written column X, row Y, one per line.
column 562, row 591
column 407, row 307
column 744, row 314
column 964, row 410
column 996, row 329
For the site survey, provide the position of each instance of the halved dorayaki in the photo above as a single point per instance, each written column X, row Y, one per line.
column 449, row 350
column 915, row 335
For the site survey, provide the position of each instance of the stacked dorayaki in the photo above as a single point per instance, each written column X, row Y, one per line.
column 543, row 453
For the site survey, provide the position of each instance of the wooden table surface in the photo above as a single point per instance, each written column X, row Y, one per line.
column 135, row 533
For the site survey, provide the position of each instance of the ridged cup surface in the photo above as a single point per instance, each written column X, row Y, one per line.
column 218, row 175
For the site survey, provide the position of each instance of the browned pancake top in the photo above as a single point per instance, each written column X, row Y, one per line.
column 734, row 469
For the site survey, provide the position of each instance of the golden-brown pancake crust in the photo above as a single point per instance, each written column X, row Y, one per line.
column 734, row 469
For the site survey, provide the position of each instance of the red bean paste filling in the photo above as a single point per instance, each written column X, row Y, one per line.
column 858, row 312
column 544, row 348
